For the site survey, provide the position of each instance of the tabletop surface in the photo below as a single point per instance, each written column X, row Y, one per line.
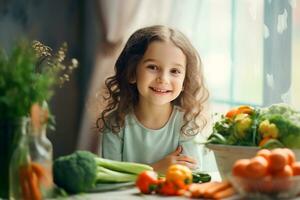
column 131, row 192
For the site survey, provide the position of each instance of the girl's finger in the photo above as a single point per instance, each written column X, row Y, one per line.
column 186, row 159
column 177, row 151
column 187, row 164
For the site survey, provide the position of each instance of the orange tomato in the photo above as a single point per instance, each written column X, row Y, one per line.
column 285, row 172
column 278, row 159
column 258, row 167
column 291, row 156
column 264, row 153
column 239, row 167
column 296, row 168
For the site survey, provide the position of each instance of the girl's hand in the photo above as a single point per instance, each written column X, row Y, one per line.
column 174, row 158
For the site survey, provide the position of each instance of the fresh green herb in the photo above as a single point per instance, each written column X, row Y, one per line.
column 28, row 75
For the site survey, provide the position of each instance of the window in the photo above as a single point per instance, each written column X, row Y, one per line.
column 249, row 49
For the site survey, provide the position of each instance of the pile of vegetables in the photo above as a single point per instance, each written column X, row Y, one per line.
column 176, row 181
column 82, row 170
column 271, row 127
column 181, row 181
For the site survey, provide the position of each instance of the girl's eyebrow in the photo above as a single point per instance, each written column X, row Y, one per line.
column 153, row 60
column 149, row 60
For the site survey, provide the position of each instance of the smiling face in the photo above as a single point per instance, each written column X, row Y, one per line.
column 160, row 74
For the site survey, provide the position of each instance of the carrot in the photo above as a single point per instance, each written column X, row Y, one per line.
column 197, row 189
column 224, row 193
column 209, row 192
column 34, row 185
column 25, row 189
column 23, row 176
column 264, row 141
column 42, row 174
column 36, row 116
column 203, row 189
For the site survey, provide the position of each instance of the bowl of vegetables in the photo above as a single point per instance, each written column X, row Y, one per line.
column 243, row 130
column 269, row 174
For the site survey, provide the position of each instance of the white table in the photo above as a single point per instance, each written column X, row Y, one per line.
column 132, row 193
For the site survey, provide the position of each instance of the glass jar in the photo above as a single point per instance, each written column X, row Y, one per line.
column 30, row 173
column 10, row 133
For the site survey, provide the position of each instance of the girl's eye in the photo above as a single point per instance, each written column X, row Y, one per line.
column 152, row 67
column 175, row 71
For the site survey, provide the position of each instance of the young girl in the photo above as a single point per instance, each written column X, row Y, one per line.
column 155, row 101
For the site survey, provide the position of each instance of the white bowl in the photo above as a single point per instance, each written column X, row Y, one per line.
column 226, row 155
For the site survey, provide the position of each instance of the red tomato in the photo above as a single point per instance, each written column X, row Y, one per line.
column 168, row 188
column 147, row 182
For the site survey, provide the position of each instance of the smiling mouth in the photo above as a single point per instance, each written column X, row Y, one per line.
column 159, row 90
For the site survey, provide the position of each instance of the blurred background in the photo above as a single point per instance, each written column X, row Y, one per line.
column 249, row 48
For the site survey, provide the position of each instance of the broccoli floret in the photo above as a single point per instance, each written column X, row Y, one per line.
column 76, row 172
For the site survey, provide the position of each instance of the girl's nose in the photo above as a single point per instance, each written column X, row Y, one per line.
column 158, row 79
column 162, row 78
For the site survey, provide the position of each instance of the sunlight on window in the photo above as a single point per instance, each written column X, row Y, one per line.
column 248, row 52
column 295, row 84
column 217, row 66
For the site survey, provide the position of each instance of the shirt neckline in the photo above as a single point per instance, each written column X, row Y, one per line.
column 155, row 130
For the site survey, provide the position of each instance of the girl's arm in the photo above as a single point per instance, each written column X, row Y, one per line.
column 174, row 158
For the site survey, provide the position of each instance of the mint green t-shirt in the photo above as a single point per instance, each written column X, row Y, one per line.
column 136, row 143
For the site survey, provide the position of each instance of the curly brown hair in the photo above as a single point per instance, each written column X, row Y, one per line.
column 121, row 95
